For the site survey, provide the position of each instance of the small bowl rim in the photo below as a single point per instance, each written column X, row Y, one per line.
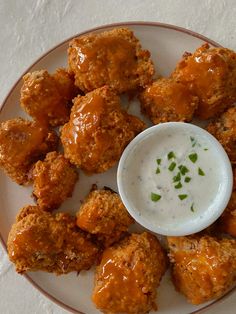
column 187, row 228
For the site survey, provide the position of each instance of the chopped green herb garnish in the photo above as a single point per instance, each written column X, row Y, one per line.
column 205, row 149
column 172, row 166
column 193, row 141
column 187, row 179
column 192, row 209
column 182, row 196
column 158, row 170
column 193, row 157
column 201, row 172
column 183, row 169
column 171, row 155
column 178, row 186
column 158, row 161
column 177, row 177
column 155, row 197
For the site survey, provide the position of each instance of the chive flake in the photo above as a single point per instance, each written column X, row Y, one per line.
column 205, row 149
column 177, row 177
column 172, row 166
column 193, row 157
column 158, row 170
column 182, row 196
column 158, row 161
column 170, row 155
column 187, row 179
column 183, row 169
column 192, row 209
column 201, row 172
column 178, row 186
column 193, row 141
column 155, row 197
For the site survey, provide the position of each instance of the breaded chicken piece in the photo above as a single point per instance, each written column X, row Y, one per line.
column 224, row 129
column 98, row 131
column 47, row 97
column 22, row 143
column 103, row 214
column 203, row 268
column 211, row 74
column 227, row 221
column 167, row 100
column 113, row 58
column 42, row 241
column 127, row 278
column 54, row 180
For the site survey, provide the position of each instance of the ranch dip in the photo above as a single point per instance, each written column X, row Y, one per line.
column 173, row 179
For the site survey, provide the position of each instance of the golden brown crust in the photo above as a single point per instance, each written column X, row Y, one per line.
column 224, row 129
column 203, row 267
column 52, row 243
column 227, row 221
column 211, row 74
column 98, row 131
column 46, row 97
column 22, row 143
column 104, row 215
column 54, row 180
column 113, row 58
column 167, row 100
column 127, row 278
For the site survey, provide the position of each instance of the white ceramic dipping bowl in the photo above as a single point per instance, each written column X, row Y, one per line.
column 168, row 217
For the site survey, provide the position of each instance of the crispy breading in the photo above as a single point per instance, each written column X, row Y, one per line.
column 127, row 278
column 103, row 214
column 211, row 74
column 22, row 143
column 167, row 100
column 54, row 179
column 224, row 129
column 227, row 222
column 42, row 241
column 113, row 58
column 203, row 266
column 98, row 131
column 47, row 97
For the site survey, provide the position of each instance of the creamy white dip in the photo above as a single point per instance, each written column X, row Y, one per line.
column 174, row 178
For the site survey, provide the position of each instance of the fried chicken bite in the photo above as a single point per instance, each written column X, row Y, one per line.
column 203, row 268
column 211, row 74
column 22, row 143
column 98, row 131
column 54, row 180
column 227, row 221
column 127, row 278
column 113, row 58
column 47, row 97
column 104, row 215
column 42, row 241
column 167, row 100
column 224, row 129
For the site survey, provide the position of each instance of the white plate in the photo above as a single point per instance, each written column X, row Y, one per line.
column 167, row 44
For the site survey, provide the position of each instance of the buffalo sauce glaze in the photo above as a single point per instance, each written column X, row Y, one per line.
column 205, row 266
column 121, row 284
column 205, row 74
column 31, row 240
column 85, row 126
column 179, row 97
column 113, row 53
column 20, row 140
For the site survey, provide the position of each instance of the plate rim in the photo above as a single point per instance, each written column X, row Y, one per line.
column 97, row 28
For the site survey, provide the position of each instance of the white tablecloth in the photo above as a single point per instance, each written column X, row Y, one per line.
column 28, row 28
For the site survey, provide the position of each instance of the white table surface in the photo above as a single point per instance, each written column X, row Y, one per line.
column 28, row 28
